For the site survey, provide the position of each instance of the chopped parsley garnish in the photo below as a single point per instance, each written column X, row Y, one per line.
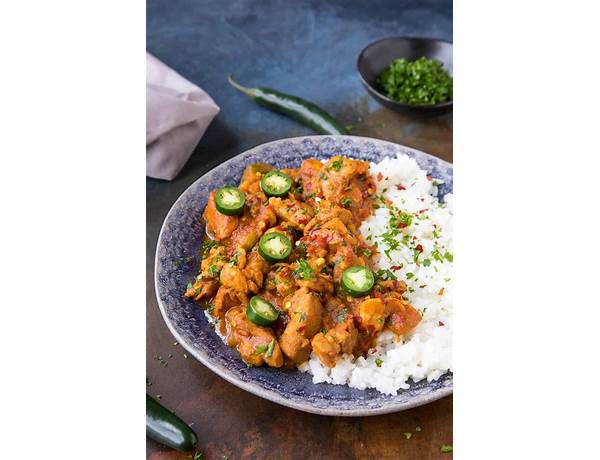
column 417, row 428
column 367, row 252
column 207, row 245
column 189, row 285
column 446, row 448
column 416, row 254
column 385, row 275
column 449, row 257
column 420, row 81
column 304, row 270
column 407, row 435
column 378, row 362
column 198, row 456
column 161, row 360
column 426, row 262
column 234, row 260
column 214, row 271
column 302, row 316
column 346, row 202
column 409, row 275
column 337, row 164
column 260, row 349
column 270, row 348
column 405, row 219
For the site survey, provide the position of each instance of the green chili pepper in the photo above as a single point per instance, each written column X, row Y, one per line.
column 261, row 312
column 274, row 247
column 276, row 183
column 230, row 201
column 164, row 426
column 294, row 107
column 357, row 280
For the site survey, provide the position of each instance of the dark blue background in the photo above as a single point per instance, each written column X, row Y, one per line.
column 304, row 47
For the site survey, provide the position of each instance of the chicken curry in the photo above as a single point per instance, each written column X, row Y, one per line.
column 286, row 272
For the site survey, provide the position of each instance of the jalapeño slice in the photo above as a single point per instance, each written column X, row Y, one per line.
column 261, row 312
column 357, row 281
column 274, row 247
column 230, row 201
column 276, row 183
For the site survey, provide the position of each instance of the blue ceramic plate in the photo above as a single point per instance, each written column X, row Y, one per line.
column 177, row 260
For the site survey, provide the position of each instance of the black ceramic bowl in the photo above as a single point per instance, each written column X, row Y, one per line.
column 377, row 56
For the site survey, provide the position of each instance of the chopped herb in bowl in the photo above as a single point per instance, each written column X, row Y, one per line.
column 424, row 81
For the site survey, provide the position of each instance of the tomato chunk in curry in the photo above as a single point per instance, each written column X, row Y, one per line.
column 320, row 215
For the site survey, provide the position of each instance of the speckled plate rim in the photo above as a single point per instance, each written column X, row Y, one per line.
column 252, row 387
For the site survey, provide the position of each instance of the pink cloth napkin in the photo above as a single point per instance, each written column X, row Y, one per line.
column 177, row 115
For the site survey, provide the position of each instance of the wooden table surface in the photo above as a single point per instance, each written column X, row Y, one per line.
column 233, row 423
column 312, row 43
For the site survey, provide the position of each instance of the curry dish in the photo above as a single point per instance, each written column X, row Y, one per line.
column 286, row 272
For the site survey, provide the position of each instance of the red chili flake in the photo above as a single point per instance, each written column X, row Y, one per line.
column 321, row 242
column 414, row 237
column 301, row 328
column 379, row 177
column 320, row 195
column 422, row 286
column 422, row 210
column 440, row 323
column 434, row 225
column 303, row 221
column 419, row 248
column 357, row 320
column 401, row 225
column 429, row 178
column 400, row 187
column 396, row 267
column 441, row 291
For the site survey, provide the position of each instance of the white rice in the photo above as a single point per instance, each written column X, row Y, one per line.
column 427, row 351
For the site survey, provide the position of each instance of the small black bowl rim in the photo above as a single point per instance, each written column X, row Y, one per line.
column 383, row 96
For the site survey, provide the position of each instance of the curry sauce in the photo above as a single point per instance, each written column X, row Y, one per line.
column 320, row 216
